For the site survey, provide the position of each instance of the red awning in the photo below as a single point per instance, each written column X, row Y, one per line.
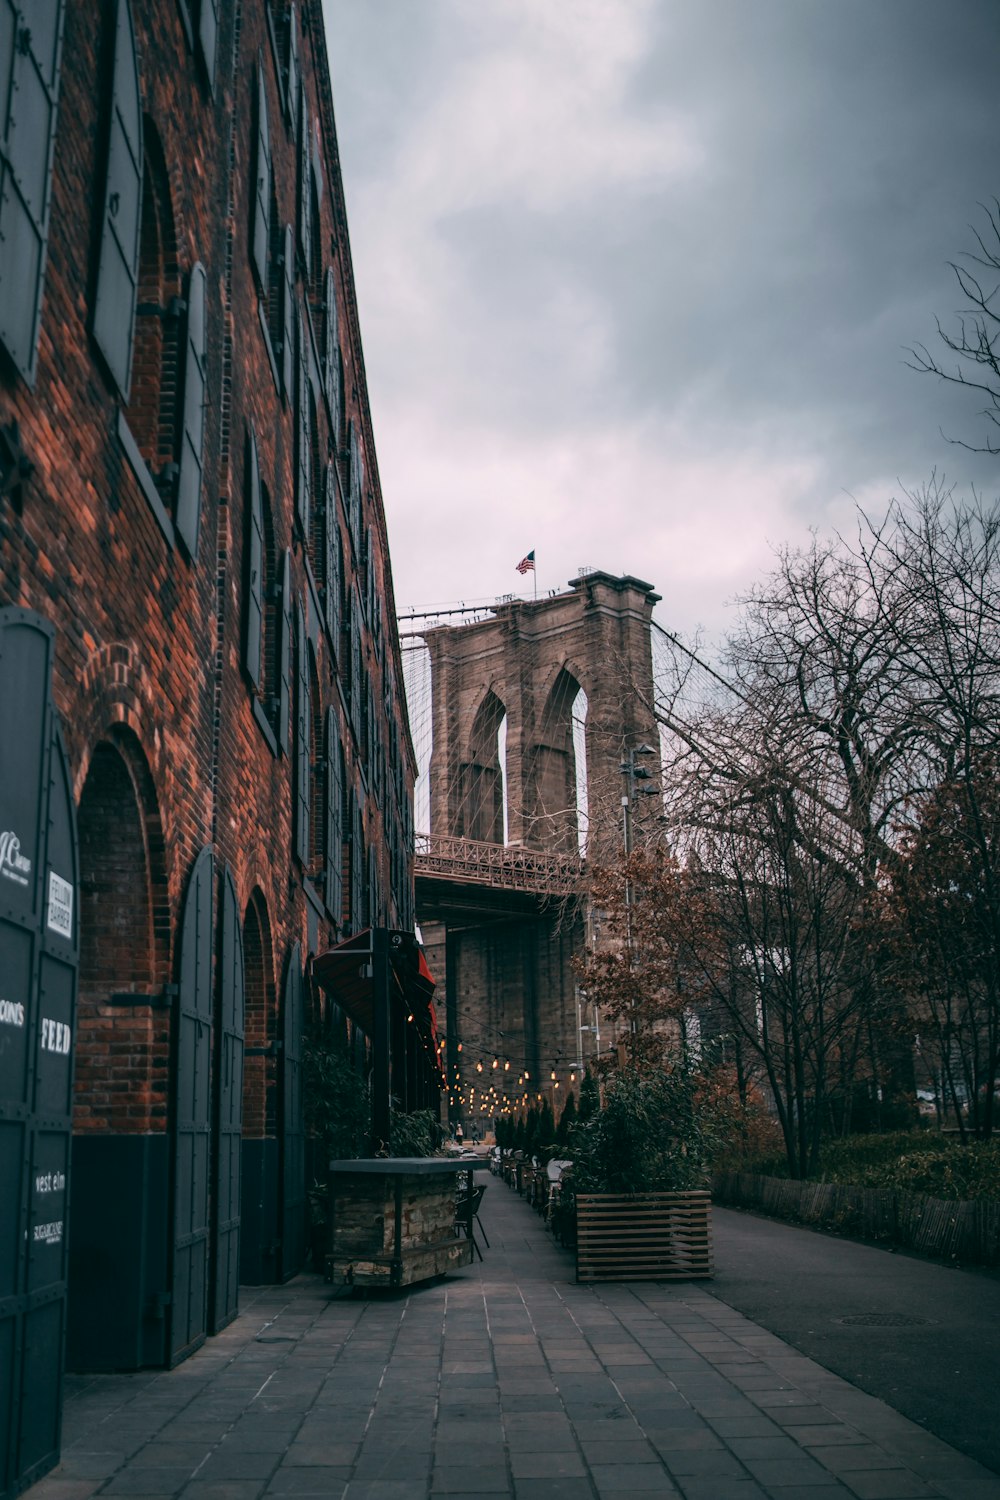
column 346, row 974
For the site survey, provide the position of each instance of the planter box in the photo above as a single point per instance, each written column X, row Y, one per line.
column 643, row 1236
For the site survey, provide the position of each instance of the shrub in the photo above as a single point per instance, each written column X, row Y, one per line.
column 648, row 1136
column 415, row 1134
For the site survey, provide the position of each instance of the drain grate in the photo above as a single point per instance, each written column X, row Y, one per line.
column 882, row 1320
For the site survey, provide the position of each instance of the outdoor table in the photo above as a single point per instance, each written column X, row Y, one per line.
column 393, row 1219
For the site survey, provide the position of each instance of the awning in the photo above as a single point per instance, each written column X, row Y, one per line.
column 347, row 976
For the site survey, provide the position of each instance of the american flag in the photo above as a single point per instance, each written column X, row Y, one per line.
column 527, row 564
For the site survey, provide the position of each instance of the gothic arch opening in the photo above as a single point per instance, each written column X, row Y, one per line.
column 259, row 1158
column 121, row 1161
column 556, row 793
column 481, row 809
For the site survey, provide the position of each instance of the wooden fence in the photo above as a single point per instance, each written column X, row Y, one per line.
column 957, row 1231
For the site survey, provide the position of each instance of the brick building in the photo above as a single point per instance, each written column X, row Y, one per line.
column 194, row 589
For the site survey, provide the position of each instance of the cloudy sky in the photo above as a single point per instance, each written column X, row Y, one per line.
column 636, row 277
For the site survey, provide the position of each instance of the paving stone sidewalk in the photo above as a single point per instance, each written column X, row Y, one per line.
column 506, row 1379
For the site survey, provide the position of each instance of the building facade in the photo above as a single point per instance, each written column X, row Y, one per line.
column 198, row 643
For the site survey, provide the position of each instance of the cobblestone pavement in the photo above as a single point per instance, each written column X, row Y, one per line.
column 506, row 1379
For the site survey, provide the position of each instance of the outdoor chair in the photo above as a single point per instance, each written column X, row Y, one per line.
column 467, row 1216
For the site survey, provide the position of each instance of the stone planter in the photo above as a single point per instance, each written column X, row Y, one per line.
column 392, row 1221
column 643, row 1236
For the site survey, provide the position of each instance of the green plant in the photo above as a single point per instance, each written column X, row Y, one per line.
column 414, row 1134
column 649, row 1135
column 567, row 1121
column 337, row 1099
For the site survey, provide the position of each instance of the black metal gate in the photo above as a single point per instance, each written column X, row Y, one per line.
column 293, row 1166
column 193, row 1116
column 228, row 1114
column 39, row 951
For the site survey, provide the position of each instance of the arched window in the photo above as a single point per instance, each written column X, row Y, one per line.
column 153, row 406
column 272, row 251
column 118, row 260
column 317, row 514
column 267, row 592
column 332, row 359
column 334, row 790
column 302, row 829
column 316, row 861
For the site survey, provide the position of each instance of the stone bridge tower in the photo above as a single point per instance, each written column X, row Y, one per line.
column 533, row 711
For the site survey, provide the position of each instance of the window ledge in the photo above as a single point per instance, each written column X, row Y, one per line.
column 147, row 484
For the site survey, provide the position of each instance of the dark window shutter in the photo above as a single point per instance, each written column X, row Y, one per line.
column 208, row 28
column 374, row 904
column 285, row 653
column 292, row 77
column 255, row 565
column 332, row 601
column 334, row 825
column 331, row 352
column 356, row 485
column 358, row 872
column 261, row 229
column 302, row 738
column 305, row 185
column 357, row 689
column 303, row 457
column 287, row 312
column 29, row 93
column 118, row 263
column 193, row 435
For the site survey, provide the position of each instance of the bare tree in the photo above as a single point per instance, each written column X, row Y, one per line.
column 975, row 341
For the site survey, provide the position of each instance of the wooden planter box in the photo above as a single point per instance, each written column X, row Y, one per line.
column 643, row 1236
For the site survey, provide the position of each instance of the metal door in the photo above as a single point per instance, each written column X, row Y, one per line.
column 293, row 1167
column 39, row 951
column 193, row 1116
column 228, row 1114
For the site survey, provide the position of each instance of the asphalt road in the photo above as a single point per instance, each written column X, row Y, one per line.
column 924, row 1338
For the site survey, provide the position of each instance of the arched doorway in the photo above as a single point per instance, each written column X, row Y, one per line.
column 260, row 1166
column 118, row 1250
column 39, row 924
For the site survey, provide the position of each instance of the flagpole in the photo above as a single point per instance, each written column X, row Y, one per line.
column 534, row 577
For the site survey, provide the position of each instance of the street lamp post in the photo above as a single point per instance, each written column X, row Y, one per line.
column 633, row 773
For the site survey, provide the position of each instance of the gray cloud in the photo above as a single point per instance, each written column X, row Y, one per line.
column 636, row 277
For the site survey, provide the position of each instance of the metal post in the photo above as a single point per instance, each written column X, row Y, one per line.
column 451, row 1022
column 381, row 1042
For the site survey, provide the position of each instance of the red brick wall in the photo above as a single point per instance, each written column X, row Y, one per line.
column 148, row 642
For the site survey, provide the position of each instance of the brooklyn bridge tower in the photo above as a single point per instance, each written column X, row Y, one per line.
column 530, row 714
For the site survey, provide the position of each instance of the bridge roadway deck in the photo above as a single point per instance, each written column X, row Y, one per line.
column 506, row 1379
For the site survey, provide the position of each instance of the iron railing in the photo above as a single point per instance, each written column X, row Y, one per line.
column 506, row 866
